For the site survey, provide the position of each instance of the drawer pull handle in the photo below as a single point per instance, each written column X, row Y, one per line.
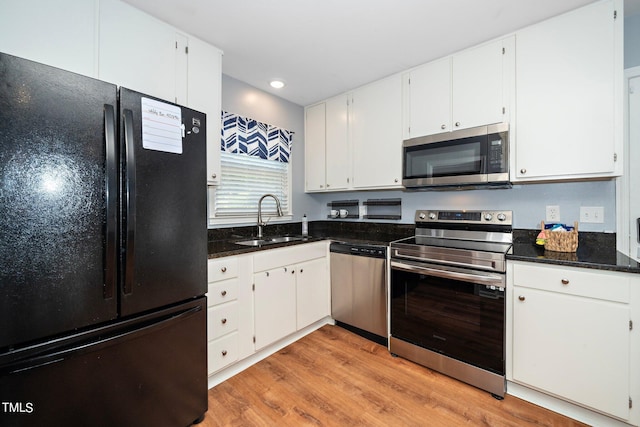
column 565, row 281
column 223, row 293
column 521, row 298
column 224, row 352
column 223, row 269
column 224, row 321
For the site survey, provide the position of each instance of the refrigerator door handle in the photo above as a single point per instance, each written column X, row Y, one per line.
column 111, row 193
column 130, row 216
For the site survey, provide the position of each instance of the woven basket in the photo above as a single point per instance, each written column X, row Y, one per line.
column 561, row 241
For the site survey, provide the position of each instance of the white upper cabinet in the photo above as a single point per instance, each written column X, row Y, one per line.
column 140, row 52
column 569, row 95
column 327, row 145
column 337, row 168
column 458, row 92
column 314, row 147
column 204, row 88
column 61, row 33
column 428, row 95
column 376, row 134
column 477, row 89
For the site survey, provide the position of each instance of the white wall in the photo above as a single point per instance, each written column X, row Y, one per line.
column 528, row 202
column 241, row 98
column 632, row 41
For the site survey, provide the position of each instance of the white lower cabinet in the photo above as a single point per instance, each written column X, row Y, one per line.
column 291, row 290
column 312, row 292
column 571, row 335
column 229, row 312
column 274, row 305
column 256, row 300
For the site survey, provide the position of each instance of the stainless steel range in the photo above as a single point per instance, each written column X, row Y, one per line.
column 448, row 295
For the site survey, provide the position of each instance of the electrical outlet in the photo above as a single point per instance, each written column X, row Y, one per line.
column 593, row 214
column 553, row 213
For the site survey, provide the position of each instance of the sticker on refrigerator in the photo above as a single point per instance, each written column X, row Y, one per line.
column 161, row 126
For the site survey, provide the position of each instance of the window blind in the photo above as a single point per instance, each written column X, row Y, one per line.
column 247, row 178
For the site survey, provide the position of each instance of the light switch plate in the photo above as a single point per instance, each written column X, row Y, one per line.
column 592, row 214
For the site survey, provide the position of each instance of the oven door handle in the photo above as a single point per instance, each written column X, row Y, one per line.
column 471, row 276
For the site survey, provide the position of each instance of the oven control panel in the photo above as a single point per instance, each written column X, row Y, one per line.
column 465, row 217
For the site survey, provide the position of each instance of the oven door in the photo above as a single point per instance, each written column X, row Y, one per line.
column 457, row 312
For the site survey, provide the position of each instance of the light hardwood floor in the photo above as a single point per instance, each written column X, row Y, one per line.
column 333, row 377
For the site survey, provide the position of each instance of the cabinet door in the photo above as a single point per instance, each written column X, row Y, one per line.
column 274, row 305
column 314, row 147
column 337, row 145
column 429, row 100
column 312, row 285
column 60, row 34
column 477, row 94
column 573, row 347
column 137, row 51
column 568, row 71
column 376, row 131
column 204, row 94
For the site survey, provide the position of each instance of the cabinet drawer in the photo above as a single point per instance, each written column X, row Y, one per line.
column 608, row 286
column 223, row 291
column 279, row 257
column 223, row 268
column 222, row 352
column 222, row 319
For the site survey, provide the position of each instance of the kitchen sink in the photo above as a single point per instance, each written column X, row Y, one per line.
column 271, row 240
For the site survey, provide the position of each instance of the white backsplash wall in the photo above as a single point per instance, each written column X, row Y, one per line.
column 528, row 202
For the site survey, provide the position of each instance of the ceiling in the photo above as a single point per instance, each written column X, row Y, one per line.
column 321, row 48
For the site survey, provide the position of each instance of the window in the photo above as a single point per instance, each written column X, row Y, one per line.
column 254, row 161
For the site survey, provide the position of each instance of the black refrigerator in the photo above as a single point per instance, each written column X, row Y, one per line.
column 103, row 253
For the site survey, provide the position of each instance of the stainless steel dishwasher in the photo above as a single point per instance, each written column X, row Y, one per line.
column 359, row 289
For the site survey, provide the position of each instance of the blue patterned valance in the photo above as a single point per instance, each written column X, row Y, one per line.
column 242, row 135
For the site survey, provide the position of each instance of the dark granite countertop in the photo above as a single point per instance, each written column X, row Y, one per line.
column 221, row 241
column 595, row 250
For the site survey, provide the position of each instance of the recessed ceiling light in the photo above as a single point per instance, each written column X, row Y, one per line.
column 277, row 84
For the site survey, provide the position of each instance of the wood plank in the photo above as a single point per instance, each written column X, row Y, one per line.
column 333, row 377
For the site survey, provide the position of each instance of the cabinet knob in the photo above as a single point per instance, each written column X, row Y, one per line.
column 224, row 320
column 565, row 281
column 521, row 298
column 443, row 127
column 395, row 180
column 322, row 186
column 327, row 185
column 224, row 352
column 223, row 269
column 523, row 171
column 214, row 176
column 457, row 124
column 223, row 293
column 293, row 272
column 285, row 269
column 301, row 270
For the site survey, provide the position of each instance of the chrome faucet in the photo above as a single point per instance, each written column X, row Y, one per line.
column 260, row 223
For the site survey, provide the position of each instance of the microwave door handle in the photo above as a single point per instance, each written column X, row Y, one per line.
column 430, row 270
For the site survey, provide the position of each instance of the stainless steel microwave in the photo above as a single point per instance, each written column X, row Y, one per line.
column 465, row 158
